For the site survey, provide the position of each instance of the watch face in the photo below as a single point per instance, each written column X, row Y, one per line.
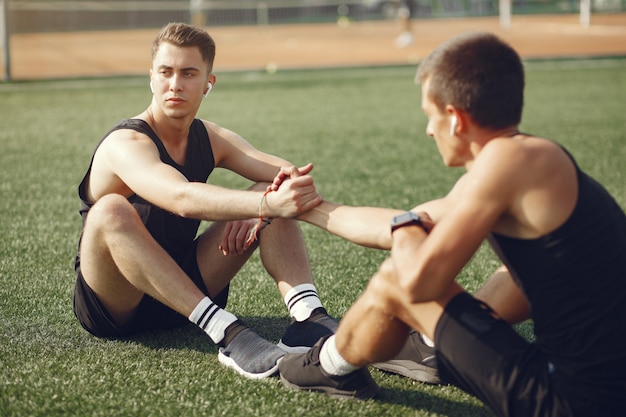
column 405, row 218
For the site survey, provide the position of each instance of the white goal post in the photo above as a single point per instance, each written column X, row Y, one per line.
column 505, row 12
column 197, row 8
column 4, row 40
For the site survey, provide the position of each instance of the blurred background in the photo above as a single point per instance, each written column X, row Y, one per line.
column 52, row 39
column 28, row 16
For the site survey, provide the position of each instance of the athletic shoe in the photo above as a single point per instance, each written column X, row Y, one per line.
column 416, row 360
column 301, row 335
column 251, row 355
column 303, row 371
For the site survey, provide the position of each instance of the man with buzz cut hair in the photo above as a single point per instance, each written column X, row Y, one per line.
column 140, row 265
column 560, row 236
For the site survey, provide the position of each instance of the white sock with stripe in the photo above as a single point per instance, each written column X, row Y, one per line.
column 212, row 319
column 301, row 300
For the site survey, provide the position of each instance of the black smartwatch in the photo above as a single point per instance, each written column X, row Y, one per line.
column 407, row 219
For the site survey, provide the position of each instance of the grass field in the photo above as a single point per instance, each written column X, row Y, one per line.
column 363, row 130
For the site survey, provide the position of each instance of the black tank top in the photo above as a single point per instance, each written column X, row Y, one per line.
column 575, row 281
column 174, row 233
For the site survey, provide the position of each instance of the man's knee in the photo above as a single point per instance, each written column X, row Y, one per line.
column 383, row 290
column 113, row 211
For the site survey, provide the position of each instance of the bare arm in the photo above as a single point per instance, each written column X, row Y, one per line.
column 426, row 265
column 128, row 162
column 365, row 226
column 234, row 153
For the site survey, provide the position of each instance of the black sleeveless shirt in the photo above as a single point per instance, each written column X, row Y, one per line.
column 174, row 233
column 575, row 281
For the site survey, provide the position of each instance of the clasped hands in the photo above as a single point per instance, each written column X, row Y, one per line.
column 292, row 192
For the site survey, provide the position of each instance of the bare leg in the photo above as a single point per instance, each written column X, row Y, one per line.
column 216, row 268
column 374, row 330
column 376, row 326
column 505, row 297
column 121, row 261
column 404, row 19
column 284, row 254
column 282, row 251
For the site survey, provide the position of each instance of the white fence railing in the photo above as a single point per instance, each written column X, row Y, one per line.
column 25, row 16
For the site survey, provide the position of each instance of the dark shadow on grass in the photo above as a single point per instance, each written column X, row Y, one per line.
column 190, row 337
column 430, row 403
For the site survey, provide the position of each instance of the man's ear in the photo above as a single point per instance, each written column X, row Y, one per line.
column 458, row 120
column 454, row 119
column 453, row 123
column 209, row 85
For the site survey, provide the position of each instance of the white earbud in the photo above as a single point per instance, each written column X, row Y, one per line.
column 209, row 87
column 151, row 87
column 452, row 125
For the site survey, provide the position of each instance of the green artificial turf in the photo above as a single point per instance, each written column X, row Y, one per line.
column 362, row 129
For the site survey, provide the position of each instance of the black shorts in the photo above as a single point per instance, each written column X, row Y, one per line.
column 151, row 314
column 484, row 356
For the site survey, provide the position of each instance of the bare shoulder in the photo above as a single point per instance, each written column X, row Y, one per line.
column 219, row 134
column 524, row 157
column 215, row 130
column 210, row 126
column 122, row 154
column 539, row 178
column 126, row 144
column 122, row 141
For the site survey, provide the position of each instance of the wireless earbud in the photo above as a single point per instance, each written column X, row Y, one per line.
column 209, row 87
column 452, row 125
column 151, row 87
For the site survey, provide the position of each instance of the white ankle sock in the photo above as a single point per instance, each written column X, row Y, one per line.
column 301, row 300
column 212, row 319
column 332, row 361
column 426, row 340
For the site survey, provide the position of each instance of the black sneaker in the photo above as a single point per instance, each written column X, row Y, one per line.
column 251, row 355
column 416, row 360
column 303, row 371
column 301, row 335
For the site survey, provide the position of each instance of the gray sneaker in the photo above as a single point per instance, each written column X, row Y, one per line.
column 251, row 355
column 301, row 335
column 416, row 360
column 303, row 371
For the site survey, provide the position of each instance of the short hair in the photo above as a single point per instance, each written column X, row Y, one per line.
column 478, row 73
column 184, row 35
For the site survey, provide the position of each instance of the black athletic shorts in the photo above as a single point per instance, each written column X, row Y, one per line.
column 151, row 314
column 484, row 356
